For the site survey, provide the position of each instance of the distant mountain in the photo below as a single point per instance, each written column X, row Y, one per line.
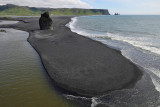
column 11, row 9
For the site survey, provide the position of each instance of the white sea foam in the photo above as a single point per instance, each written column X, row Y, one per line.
column 72, row 97
column 4, row 22
column 156, row 84
column 155, row 80
column 72, row 23
column 140, row 42
column 94, row 102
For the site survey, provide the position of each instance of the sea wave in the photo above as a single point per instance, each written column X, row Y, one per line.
column 71, row 24
column 139, row 42
column 94, row 100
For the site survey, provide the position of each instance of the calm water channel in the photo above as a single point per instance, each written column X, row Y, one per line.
column 23, row 80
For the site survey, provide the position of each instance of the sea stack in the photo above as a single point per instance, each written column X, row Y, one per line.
column 116, row 14
column 45, row 22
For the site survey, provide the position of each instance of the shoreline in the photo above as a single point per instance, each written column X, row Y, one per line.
column 61, row 40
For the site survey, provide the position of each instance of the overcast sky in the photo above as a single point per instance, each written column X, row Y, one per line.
column 120, row 6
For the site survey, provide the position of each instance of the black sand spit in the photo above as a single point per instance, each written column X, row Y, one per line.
column 77, row 63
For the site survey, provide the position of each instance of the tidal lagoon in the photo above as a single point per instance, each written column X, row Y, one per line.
column 23, row 80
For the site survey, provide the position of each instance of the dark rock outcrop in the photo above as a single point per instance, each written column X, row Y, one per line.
column 45, row 22
column 116, row 14
column 2, row 30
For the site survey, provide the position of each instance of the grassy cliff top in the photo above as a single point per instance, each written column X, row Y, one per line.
column 10, row 9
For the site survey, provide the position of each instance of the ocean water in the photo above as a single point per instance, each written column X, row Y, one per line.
column 138, row 39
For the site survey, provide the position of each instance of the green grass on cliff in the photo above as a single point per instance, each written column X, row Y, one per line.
column 19, row 11
column 73, row 12
column 23, row 11
column 27, row 11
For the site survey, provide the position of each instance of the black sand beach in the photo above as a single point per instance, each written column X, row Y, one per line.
column 76, row 63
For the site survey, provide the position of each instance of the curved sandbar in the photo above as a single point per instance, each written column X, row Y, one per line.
column 77, row 63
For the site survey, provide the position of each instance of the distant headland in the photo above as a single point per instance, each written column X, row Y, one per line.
column 10, row 9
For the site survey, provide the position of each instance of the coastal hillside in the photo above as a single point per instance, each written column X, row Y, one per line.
column 11, row 9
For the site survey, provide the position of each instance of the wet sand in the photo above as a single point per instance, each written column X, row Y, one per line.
column 76, row 63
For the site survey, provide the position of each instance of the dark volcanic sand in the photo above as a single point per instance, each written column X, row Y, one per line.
column 77, row 63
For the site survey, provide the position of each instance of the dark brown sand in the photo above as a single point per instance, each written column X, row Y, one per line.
column 76, row 63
